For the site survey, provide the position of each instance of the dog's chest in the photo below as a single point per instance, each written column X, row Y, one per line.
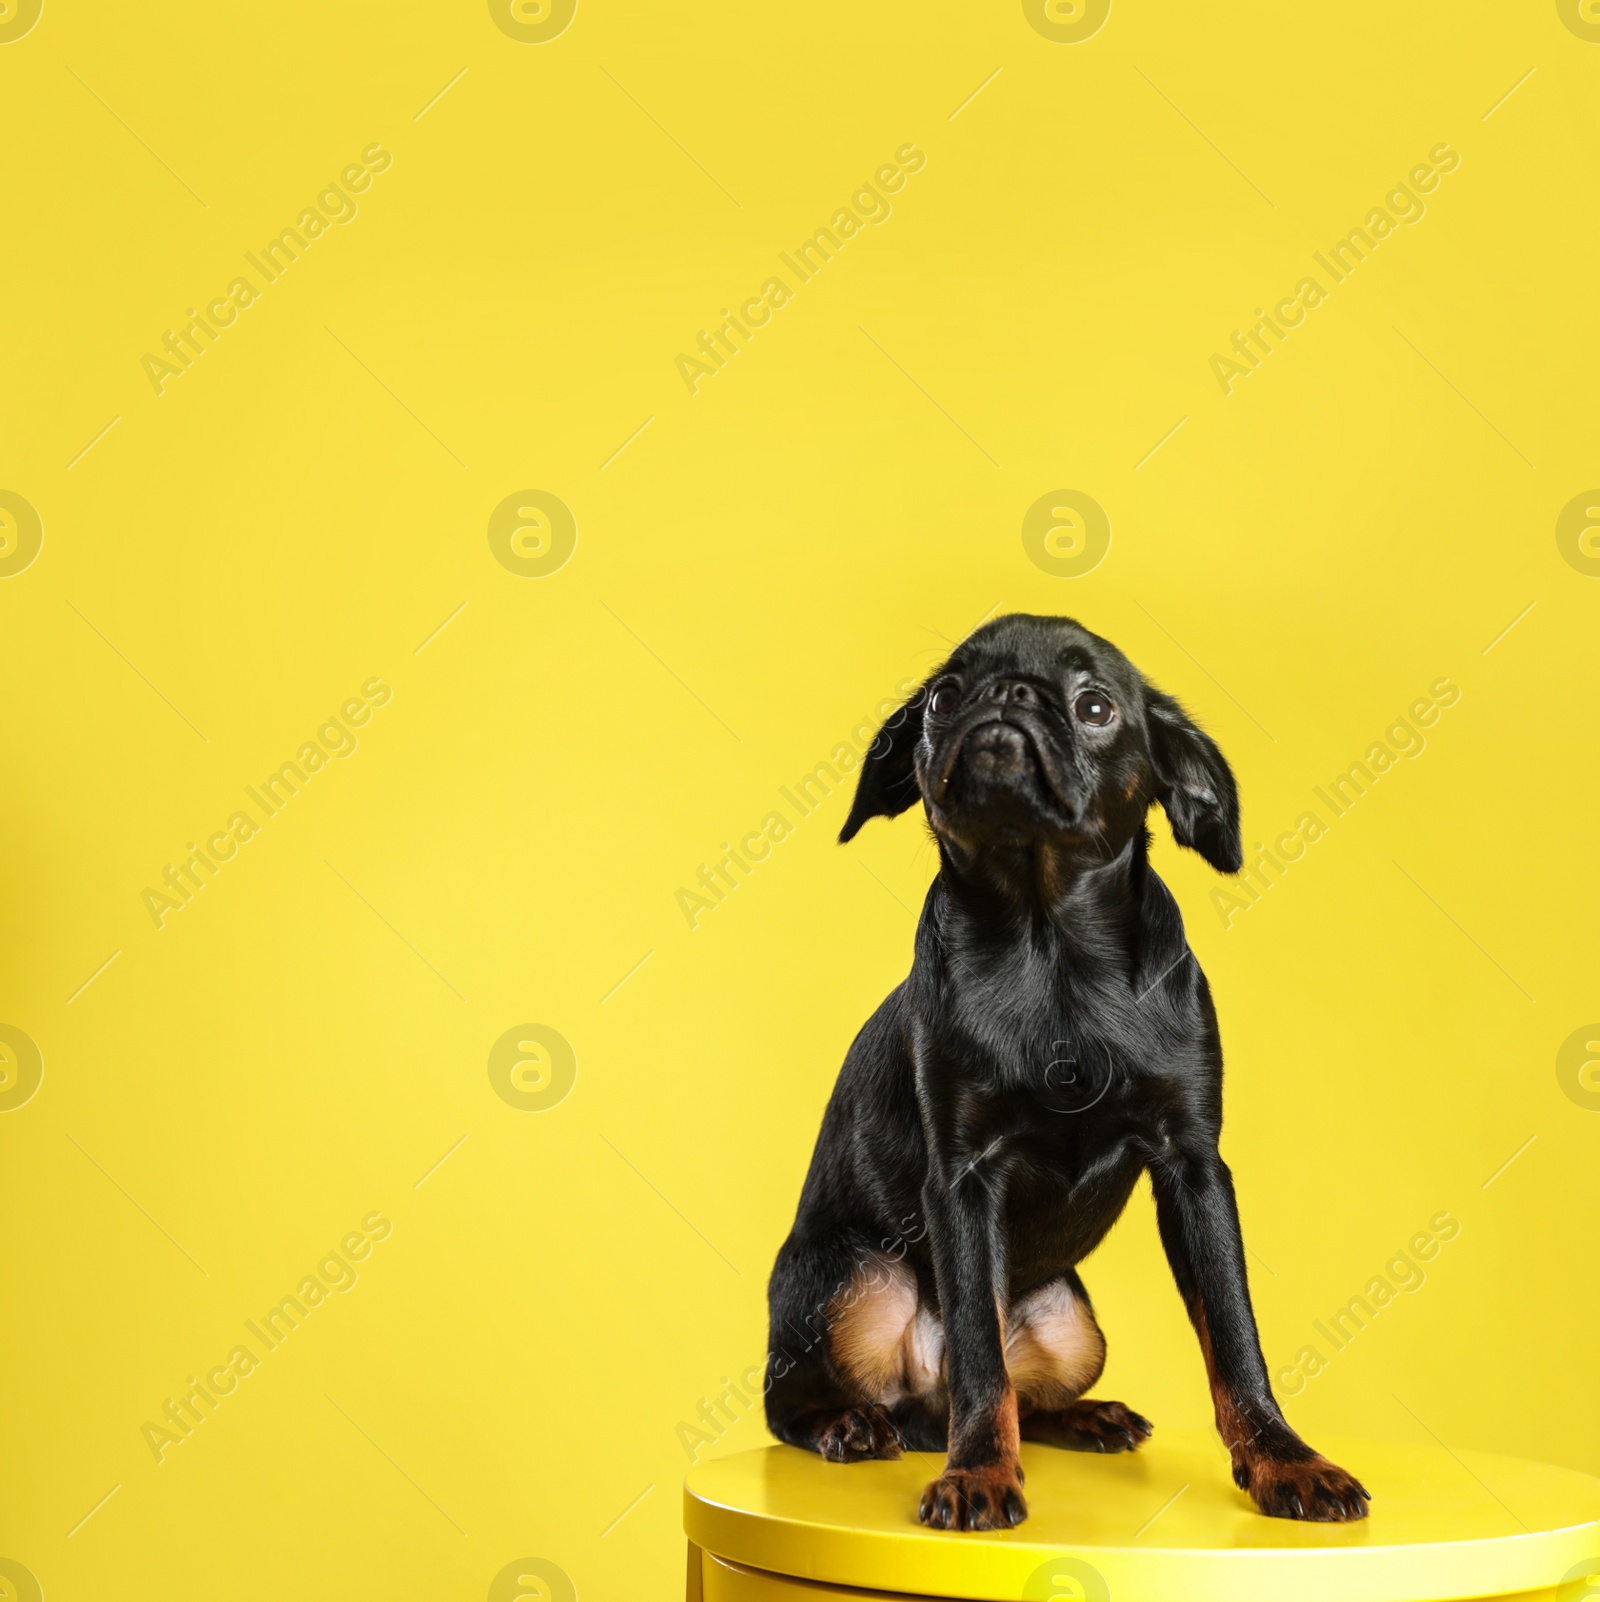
column 1070, row 1051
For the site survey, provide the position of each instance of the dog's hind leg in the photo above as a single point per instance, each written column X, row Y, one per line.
column 1089, row 1426
column 1054, row 1353
column 841, row 1317
column 922, row 1423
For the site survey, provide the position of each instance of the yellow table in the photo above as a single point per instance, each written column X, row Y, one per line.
column 780, row 1525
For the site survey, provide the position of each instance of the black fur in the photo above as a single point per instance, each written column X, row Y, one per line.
column 1054, row 1040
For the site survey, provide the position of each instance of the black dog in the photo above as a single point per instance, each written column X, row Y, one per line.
column 1055, row 1039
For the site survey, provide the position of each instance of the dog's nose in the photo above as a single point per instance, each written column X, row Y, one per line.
column 1013, row 692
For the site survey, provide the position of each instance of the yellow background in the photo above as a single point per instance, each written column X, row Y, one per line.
column 304, row 507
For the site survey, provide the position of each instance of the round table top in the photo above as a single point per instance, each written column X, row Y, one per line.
column 1166, row 1521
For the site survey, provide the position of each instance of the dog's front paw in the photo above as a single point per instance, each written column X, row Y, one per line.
column 1310, row 1488
column 855, row 1434
column 975, row 1499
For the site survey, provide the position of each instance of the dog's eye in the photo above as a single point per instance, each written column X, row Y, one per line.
column 1092, row 707
column 945, row 700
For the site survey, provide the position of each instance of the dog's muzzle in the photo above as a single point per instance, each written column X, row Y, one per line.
column 1002, row 746
column 997, row 748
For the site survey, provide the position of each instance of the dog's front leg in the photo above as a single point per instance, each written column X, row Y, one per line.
column 981, row 1486
column 1199, row 1221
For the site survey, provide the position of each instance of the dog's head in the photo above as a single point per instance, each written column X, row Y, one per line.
column 1037, row 732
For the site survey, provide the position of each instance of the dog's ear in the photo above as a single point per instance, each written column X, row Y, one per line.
column 1194, row 784
column 888, row 782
